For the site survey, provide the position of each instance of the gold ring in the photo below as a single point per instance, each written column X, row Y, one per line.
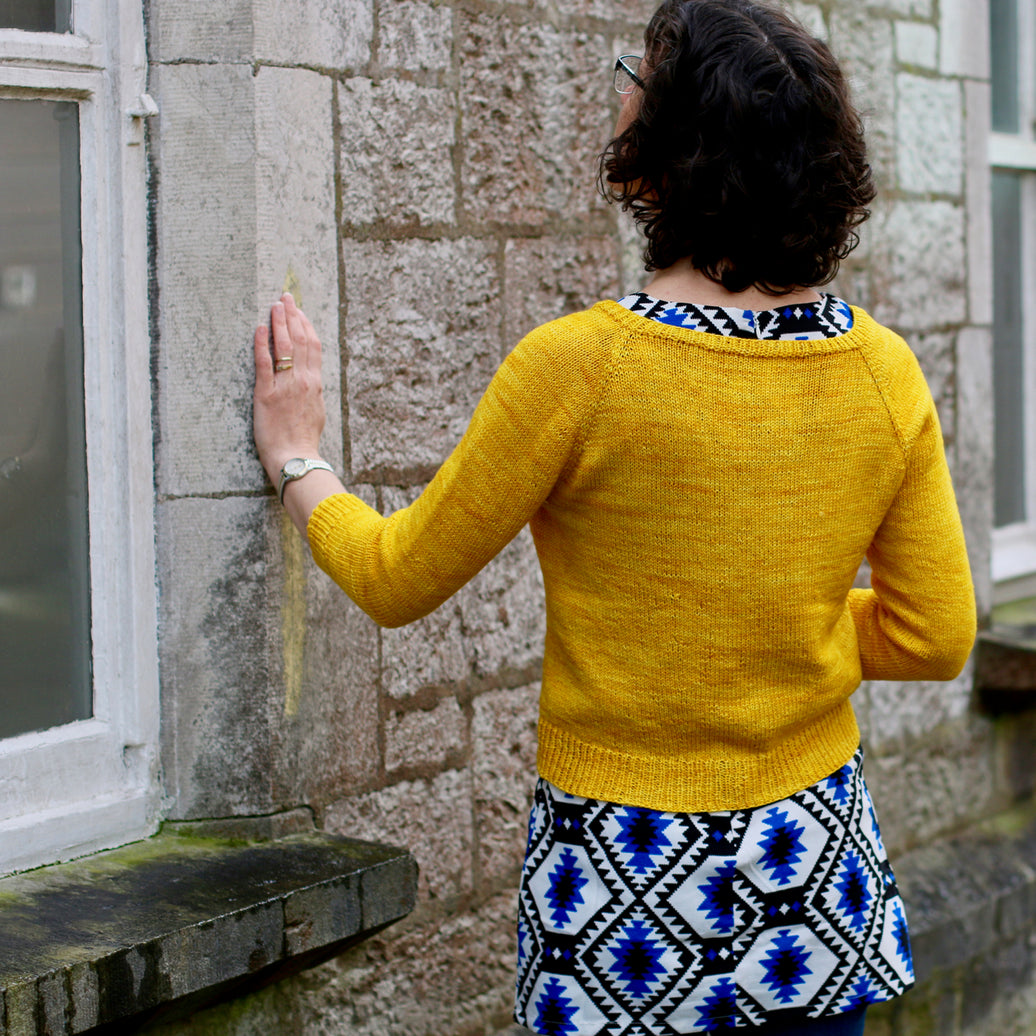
column 282, row 365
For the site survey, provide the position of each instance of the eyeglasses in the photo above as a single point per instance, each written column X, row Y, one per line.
column 626, row 77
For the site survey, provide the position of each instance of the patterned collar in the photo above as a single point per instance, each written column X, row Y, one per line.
column 828, row 318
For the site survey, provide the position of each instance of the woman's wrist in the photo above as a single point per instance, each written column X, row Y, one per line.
column 273, row 462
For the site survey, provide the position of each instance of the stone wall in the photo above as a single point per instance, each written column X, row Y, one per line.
column 420, row 174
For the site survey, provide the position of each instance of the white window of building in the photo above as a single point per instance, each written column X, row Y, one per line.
column 1013, row 158
column 78, row 679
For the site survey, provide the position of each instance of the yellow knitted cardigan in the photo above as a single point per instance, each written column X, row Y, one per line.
column 700, row 505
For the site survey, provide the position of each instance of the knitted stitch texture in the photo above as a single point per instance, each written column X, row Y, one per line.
column 700, row 506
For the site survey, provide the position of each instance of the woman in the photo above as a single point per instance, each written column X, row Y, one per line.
column 703, row 465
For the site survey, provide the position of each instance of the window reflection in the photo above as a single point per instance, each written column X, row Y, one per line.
column 44, row 574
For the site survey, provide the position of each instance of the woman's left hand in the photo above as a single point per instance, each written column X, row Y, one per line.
column 289, row 413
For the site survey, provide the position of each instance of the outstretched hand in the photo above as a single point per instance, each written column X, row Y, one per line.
column 288, row 414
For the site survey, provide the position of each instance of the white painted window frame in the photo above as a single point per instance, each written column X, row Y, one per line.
column 1014, row 546
column 92, row 784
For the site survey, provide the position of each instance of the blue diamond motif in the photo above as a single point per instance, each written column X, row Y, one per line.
column 555, row 1011
column 838, row 784
column 566, row 880
column 902, row 936
column 637, row 959
column 862, row 993
column 782, row 846
column 786, row 966
column 642, row 834
column 719, row 1007
column 719, row 899
column 855, row 896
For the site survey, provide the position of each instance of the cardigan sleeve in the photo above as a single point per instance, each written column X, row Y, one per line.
column 918, row 619
column 523, row 433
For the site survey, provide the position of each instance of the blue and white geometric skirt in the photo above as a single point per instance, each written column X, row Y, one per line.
column 633, row 922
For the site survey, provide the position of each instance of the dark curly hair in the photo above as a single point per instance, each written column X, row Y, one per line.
column 746, row 155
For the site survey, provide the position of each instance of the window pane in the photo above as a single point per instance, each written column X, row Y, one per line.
column 1008, row 354
column 44, row 576
column 36, row 15
column 1003, row 38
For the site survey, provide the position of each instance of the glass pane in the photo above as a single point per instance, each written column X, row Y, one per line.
column 1008, row 353
column 1003, row 40
column 44, row 575
column 36, row 15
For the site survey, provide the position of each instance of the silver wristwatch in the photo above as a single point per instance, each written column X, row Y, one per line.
column 297, row 467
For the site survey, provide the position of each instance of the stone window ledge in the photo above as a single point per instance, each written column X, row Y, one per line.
column 161, row 928
column 1005, row 659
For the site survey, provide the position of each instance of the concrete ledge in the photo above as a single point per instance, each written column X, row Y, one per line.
column 161, row 928
column 1005, row 670
column 1005, row 658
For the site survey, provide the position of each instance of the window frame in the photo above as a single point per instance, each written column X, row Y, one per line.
column 1014, row 545
column 92, row 784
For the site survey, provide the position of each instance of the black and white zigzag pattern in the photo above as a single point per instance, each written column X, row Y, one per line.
column 828, row 318
column 634, row 922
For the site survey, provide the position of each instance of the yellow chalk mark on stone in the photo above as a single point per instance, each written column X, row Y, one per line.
column 293, row 614
column 293, row 285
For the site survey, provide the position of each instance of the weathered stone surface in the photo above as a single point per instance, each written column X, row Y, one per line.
column 414, row 36
column 531, row 129
column 218, row 277
column 205, row 234
column 427, row 738
column 422, row 332
column 917, row 44
column 977, row 196
column 325, row 736
column 901, row 713
column 918, row 265
column 974, row 471
column 332, row 34
column 296, row 243
column 268, row 681
column 936, row 352
column 431, row 652
column 181, row 29
column 935, row 786
column 545, row 278
column 929, row 135
column 431, row 817
column 503, row 737
column 449, row 974
column 963, row 39
column 633, row 12
column 396, row 155
column 999, row 993
column 810, row 16
column 218, row 697
column 906, row 8
column 863, row 42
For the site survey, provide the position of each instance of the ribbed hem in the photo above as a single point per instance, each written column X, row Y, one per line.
column 698, row 783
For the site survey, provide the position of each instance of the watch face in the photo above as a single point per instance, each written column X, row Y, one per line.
column 295, row 468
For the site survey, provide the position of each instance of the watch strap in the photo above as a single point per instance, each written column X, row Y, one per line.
column 308, row 464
